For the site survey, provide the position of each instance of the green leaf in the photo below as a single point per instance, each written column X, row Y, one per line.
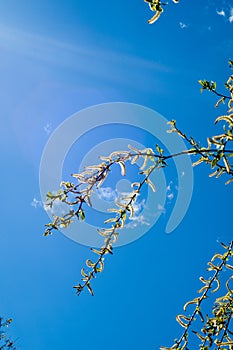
column 124, row 216
column 80, row 214
column 230, row 62
column 159, row 150
column 214, row 162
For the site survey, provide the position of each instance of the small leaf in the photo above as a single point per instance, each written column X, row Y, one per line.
column 150, row 183
column 225, row 118
column 90, row 289
column 203, row 289
column 199, row 336
column 123, row 168
column 90, row 263
column 131, row 209
column 224, row 246
column 99, row 252
column 135, row 184
column 124, row 216
column 218, row 285
column 144, row 163
column 159, row 150
column 103, row 233
column 229, row 266
column 180, row 319
column 214, row 162
column 216, row 256
column 121, row 205
column 227, row 285
column 155, row 17
column 227, row 165
column 100, row 266
column 194, row 301
column 199, row 161
column 83, row 273
column 134, row 159
column 110, row 220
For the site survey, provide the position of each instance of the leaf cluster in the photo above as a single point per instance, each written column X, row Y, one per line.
column 212, row 86
column 5, row 341
column 78, row 195
column 218, row 151
column 215, row 330
column 216, row 154
column 157, row 6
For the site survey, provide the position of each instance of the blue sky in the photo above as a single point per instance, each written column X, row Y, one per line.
column 55, row 60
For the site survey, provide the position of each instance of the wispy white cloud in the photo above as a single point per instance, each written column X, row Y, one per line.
column 227, row 13
column 183, row 25
column 59, row 208
column 110, row 194
column 170, row 192
column 36, row 203
column 161, row 209
column 231, row 16
column 48, row 128
column 221, row 13
column 139, row 206
column 107, row 194
column 137, row 220
column 170, row 196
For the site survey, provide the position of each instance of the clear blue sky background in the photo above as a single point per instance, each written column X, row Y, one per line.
column 55, row 59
